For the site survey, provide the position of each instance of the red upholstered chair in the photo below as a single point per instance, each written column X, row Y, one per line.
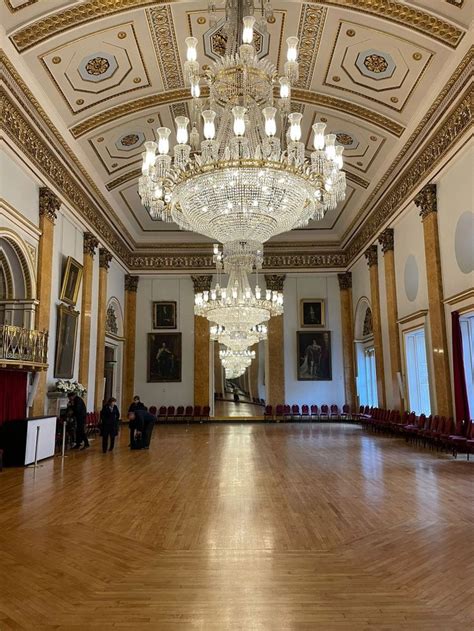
column 287, row 412
column 448, row 430
column 458, row 442
column 346, row 412
column 305, row 411
column 206, row 410
column 334, row 411
column 279, row 412
column 197, row 413
column 314, row 411
column 188, row 413
column 295, row 411
column 268, row 413
column 162, row 413
column 180, row 413
column 170, row 413
column 324, row 414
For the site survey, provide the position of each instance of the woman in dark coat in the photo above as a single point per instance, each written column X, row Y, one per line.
column 109, row 423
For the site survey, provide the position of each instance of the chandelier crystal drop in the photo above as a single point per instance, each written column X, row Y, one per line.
column 235, row 363
column 249, row 178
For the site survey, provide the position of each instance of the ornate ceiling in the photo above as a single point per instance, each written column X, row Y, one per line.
column 108, row 73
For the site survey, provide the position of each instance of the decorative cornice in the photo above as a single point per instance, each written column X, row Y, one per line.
column 202, row 283
column 371, row 254
column 275, row 282
column 386, row 240
column 306, row 261
column 345, row 280
column 105, row 257
column 90, row 243
column 426, row 200
column 131, row 283
column 49, row 204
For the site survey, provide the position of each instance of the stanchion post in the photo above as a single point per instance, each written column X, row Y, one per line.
column 63, row 450
column 36, row 445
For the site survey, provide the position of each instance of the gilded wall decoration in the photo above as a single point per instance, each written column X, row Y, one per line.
column 97, row 66
column 161, row 25
column 310, row 31
column 375, row 63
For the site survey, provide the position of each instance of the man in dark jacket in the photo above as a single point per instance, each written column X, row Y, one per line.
column 77, row 408
column 141, row 425
column 109, row 424
column 136, row 404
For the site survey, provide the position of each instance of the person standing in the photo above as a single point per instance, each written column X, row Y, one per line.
column 109, row 424
column 78, row 410
column 141, row 425
column 136, row 404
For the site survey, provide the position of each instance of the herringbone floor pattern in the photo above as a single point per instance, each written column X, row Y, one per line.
column 240, row 527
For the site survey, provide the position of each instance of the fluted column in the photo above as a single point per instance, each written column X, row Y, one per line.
column 49, row 205
column 371, row 254
column 202, row 347
column 386, row 240
column 89, row 247
column 130, row 328
column 426, row 201
column 104, row 262
column 275, row 350
column 345, row 287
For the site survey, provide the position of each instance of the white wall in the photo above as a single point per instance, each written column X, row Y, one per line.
column 155, row 288
column 18, row 187
column 296, row 288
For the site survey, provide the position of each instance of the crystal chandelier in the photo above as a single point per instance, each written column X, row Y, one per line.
column 249, row 179
column 235, row 363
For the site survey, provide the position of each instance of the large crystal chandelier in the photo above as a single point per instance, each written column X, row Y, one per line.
column 249, row 179
column 235, row 363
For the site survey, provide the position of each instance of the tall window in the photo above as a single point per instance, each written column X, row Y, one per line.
column 417, row 372
column 467, row 331
column 370, row 376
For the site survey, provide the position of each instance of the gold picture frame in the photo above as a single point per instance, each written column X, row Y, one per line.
column 313, row 313
column 66, row 337
column 71, row 281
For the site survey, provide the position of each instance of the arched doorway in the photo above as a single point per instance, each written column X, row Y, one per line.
column 113, row 351
column 17, row 282
column 365, row 354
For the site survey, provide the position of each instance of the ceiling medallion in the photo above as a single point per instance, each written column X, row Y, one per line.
column 344, row 138
column 129, row 140
column 376, row 63
column 97, row 66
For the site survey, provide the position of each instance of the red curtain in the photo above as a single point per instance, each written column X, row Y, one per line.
column 461, row 403
column 12, row 394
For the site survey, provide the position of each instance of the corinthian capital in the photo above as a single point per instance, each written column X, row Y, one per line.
column 201, row 283
column 386, row 240
column 275, row 282
column 345, row 280
column 426, row 200
column 131, row 283
column 49, row 204
column 371, row 254
column 90, row 243
column 104, row 258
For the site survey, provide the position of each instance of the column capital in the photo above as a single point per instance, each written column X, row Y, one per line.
column 386, row 240
column 275, row 282
column 426, row 200
column 49, row 204
column 131, row 283
column 90, row 243
column 104, row 258
column 371, row 254
column 201, row 283
column 345, row 280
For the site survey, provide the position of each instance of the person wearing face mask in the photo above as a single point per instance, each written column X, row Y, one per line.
column 109, row 423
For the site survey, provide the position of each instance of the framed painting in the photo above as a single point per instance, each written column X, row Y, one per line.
column 164, row 357
column 71, row 281
column 314, row 355
column 164, row 315
column 312, row 313
column 66, row 336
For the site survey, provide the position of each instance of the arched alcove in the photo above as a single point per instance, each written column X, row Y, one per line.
column 113, row 351
column 17, row 281
column 365, row 353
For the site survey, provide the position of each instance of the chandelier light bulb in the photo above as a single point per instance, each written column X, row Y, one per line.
column 331, row 146
column 247, row 35
column 163, row 140
column 145, row 164
column 338, row 159
column 295, row 126
column 195, row 88
column 318, row 129
column 292, row 50
column 209, row 125
column 182, row 129
column 270, row 123
column 191, row 52
column 239, row 120
column 285, row 89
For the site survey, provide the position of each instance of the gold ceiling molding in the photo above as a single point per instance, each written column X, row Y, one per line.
column 458, row 120
column 20, row 6
column 310, row 31
column 454, row 86
column 85, row 12
column 160, row 21
column 183, row 94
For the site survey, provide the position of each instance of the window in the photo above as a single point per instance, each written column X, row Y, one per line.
column 467, row 332
column 417, row 372
column 366, row 377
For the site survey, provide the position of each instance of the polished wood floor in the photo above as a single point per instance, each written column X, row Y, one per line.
column 243, row 410
column 240, row 527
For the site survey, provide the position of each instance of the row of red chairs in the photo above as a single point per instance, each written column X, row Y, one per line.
column 92, row 423
column 433, row 431
column 181, row 414
column 313, row 412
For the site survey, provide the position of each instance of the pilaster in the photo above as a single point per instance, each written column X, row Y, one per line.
column 104, row 262
column 89, row 246
column 130, row 328
column 275, row 349
column 345, row 287
column 371, row 254
column 202, row 347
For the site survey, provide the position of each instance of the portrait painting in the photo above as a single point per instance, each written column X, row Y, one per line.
column 312, row 313
column 164, row 357
column 314, row 355
column 71, row 281
column 65, row 342
column 164, row 315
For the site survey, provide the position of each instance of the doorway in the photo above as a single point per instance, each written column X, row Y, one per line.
column 109, row 372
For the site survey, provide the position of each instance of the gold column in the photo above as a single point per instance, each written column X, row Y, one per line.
column 253, row 372
column 386, row 240
column 371, row 254
column 202, row 341
column 427, row 202
column 130, row 322
column 345, row 287
column 104, row 262
column 90, row 244
column 49, row 205
column 275, row 350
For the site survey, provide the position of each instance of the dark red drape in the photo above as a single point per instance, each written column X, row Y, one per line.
column 12, row 394
column 461, row 403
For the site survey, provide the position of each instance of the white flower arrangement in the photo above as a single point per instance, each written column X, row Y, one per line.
column 68, row 387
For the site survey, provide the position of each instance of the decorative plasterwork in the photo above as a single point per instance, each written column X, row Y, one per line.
column 163, row 35
column 19, row 7
column 426, row 200
column 52, row 25
column 275, row 282
column 386, row 240
column 131, row 283
column 49, row 204
column 345, row 280
column 105, row 258
column 310, row 31
column 202, row 283
column 90, row 243
column 371, row 254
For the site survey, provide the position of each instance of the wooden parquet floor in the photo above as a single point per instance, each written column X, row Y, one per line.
column 248, row 527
